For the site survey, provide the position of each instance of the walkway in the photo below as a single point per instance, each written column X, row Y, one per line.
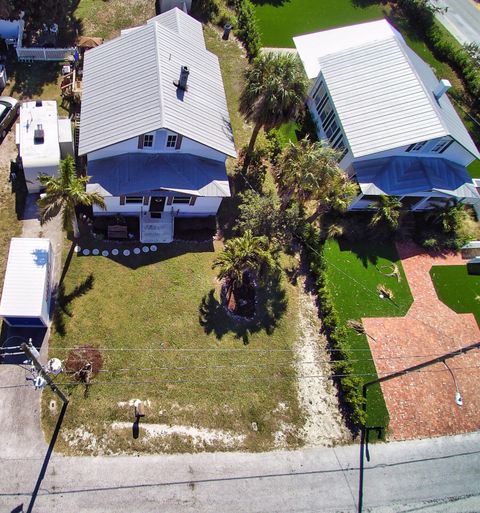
column 422, row 404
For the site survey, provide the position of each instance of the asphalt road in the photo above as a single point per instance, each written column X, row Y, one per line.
column 462, row 19
column 439, row 475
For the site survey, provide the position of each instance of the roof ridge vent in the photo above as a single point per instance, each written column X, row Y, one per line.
column 181, row 83
column 443, row 86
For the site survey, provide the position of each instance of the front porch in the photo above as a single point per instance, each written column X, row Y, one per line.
column 157, row 227
column 420, row 183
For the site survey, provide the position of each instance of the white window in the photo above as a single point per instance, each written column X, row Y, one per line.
column 417, row 146
column 172, row 141
column 133, row 199
column 148, row 141
column 441, row 145
column 181, row 200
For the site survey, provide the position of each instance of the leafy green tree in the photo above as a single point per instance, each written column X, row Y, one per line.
column 309, row 171
column 263, row 214
column 449, row 217
column 274, row 92
column 244, row 254
column 388, row 210
column 64, row 193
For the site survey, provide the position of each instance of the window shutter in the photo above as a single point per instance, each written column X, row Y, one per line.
column 192, row 200
column 145, row 200
column 169, row 200
column 179, row 141
column 122, row 200
column 446, row 146
column 140, row 142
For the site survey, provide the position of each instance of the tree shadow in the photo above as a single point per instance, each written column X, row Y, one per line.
column 63, row 302
column 31, row 78
column 271, row 306
column 369, row 252
column 274, row 3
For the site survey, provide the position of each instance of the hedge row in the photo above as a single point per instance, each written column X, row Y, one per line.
column 350, row 384
column 420, row 14
column 247, row 30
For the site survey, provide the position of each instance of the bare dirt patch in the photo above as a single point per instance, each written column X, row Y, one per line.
column 324, row 422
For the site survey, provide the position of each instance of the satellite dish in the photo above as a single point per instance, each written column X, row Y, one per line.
column 54, row 366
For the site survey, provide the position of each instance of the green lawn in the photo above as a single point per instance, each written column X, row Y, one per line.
column 280, row 21
column 457, row 289
column 354, row 271
column 171, row 303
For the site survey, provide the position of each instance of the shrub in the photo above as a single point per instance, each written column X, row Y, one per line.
column 207, row 9
column 248, row 31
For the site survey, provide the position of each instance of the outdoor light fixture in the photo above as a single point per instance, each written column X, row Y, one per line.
column 458, row 395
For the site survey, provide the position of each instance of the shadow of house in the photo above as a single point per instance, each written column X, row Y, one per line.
column 271, row 306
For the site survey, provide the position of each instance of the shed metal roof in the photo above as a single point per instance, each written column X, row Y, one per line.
column 25, row 277
column 399, row 176
column 136, row 173
column 382, row 91
column 128, row 87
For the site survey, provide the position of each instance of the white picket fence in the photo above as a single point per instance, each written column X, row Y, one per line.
column 43, row 54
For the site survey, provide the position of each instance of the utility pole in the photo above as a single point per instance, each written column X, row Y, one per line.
column 38, row 366
column 364, row 440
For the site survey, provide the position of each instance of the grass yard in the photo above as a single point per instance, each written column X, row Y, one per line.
column 354, row 271
column 194, row 365
column 281, row 20
column 457, row 289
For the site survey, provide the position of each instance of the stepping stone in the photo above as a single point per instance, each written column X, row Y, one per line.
column 77, row 249
column 114, row 252
column 153, row 247
column 95, row 252
column 86, row 252
column 145, row 249
column 136, row 251
column 126, row 252
column 105, row 253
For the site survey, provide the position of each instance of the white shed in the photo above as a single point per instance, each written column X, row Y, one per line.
column 28, row 283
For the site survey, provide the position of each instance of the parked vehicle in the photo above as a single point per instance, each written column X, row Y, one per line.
column 9, row 108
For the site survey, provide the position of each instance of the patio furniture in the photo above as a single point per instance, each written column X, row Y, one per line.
column 116, row 231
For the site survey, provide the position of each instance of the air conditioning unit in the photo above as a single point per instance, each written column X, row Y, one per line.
column 39, row 135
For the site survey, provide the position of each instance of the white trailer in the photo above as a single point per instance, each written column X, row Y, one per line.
column 28, row 283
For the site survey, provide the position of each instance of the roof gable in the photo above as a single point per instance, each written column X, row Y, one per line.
column 120, row 103
column 381, row 90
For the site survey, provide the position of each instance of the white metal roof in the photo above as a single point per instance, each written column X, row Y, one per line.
column 25, row 277
column 381, row 90
column 128, row 87
column 32, row 115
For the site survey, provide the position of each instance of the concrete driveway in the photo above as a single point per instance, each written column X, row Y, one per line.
column 461, row 19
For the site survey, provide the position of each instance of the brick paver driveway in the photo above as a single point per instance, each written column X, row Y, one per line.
column 422, row 404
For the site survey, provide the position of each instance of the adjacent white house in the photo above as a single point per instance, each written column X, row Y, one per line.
column 42, row 140
column 381, row 105
column 27, row 287
column 154, row 126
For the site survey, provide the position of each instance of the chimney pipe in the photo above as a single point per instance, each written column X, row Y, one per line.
column 181, row 83
column 443, row 86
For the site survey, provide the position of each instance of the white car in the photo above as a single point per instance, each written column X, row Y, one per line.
column 9, row 108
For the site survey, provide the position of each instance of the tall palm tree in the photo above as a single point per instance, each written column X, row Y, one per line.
column 309, row 171
column 242, row 254
column 274, row 92
column 64, row 193
column 388, row 212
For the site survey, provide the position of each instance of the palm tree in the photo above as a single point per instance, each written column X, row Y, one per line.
column 388, row 212
column 243, row 254
column 64, row 193
column 309, row 171
column 449, row 216
column 274, row 92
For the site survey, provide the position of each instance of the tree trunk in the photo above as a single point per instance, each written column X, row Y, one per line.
column 251, row 146
column 76, row 229
column 321, row 209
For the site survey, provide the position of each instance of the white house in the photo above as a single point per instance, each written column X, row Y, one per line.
column 154, row 124
column 28, row 283
column 42, row 139
column 375, row 100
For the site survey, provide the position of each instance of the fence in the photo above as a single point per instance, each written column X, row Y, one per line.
column 43, row 54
